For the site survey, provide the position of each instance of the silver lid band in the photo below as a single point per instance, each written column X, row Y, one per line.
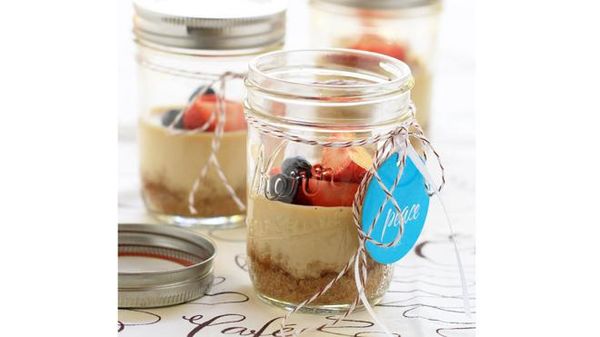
column 190, row 31
column 193, row 252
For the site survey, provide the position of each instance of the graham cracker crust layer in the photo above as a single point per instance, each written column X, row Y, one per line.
column 272, row 281
column 160, row 199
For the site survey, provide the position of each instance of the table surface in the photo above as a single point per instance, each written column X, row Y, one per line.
column 425, row 298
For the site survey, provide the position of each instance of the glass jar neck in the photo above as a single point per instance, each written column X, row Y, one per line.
column 202, row 65
column 333, row 88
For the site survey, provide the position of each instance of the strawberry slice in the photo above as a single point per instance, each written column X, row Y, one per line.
column 372, row 43
column 353, row 173
column 325, row 193
column 342, row 165
column 235, row 119
column 197, row 115
column 200, row 112
column 275, row 171
column 377, row 44
column 336, row 159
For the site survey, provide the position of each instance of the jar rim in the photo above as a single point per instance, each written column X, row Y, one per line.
column 400, row 78
column 300, row 87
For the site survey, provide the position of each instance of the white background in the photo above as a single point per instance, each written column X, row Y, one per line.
column 537, row 174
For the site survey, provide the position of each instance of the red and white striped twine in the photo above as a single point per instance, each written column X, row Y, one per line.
column 396, row 140
column 220, row 115
column 213, row 80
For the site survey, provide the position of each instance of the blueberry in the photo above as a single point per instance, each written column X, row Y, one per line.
column 282, row 188
column 294, row 167
column 170, row 116
column 209, row 91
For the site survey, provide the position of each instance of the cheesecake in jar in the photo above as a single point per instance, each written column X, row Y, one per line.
column 172, row 157
column 406, row 30
column 313, row 123
column 192, row 131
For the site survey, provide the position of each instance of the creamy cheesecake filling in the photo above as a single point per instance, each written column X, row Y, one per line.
column 170, row 163
column 303, row 241
column 295, row 250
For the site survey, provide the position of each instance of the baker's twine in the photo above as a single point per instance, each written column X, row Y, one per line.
column 220, row 115
column 396, row 140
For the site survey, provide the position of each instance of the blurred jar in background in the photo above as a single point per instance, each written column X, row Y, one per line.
column 192, row 157
column 404, row 29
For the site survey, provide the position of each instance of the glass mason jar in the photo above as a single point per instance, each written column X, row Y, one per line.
column 406, row 30
column 184, row 49
column 301, row 188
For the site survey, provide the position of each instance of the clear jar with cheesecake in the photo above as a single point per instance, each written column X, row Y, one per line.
column 183, row 49
column 301, row 184
column 406, row 30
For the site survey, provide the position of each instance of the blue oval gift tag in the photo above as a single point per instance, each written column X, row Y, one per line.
column 411, row 195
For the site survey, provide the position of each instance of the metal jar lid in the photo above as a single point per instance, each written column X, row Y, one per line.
column 148, row 249
column 214, row 25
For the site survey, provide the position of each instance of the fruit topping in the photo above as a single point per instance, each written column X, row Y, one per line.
column 275, row 170
column 296, row 167
column 203, row 111
column 208, row 92
column 284, row 181
column 169, row 116
column 282, row 188
column 198, row 115
column 332, row 183
column 342, row 165
column 377, row 44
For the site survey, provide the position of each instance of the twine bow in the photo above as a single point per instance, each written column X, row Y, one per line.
column 220, row 116
column 216, row 142
column 396, row 140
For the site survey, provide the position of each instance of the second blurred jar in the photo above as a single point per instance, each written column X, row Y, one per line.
column 192, row 162
column 404, row 29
